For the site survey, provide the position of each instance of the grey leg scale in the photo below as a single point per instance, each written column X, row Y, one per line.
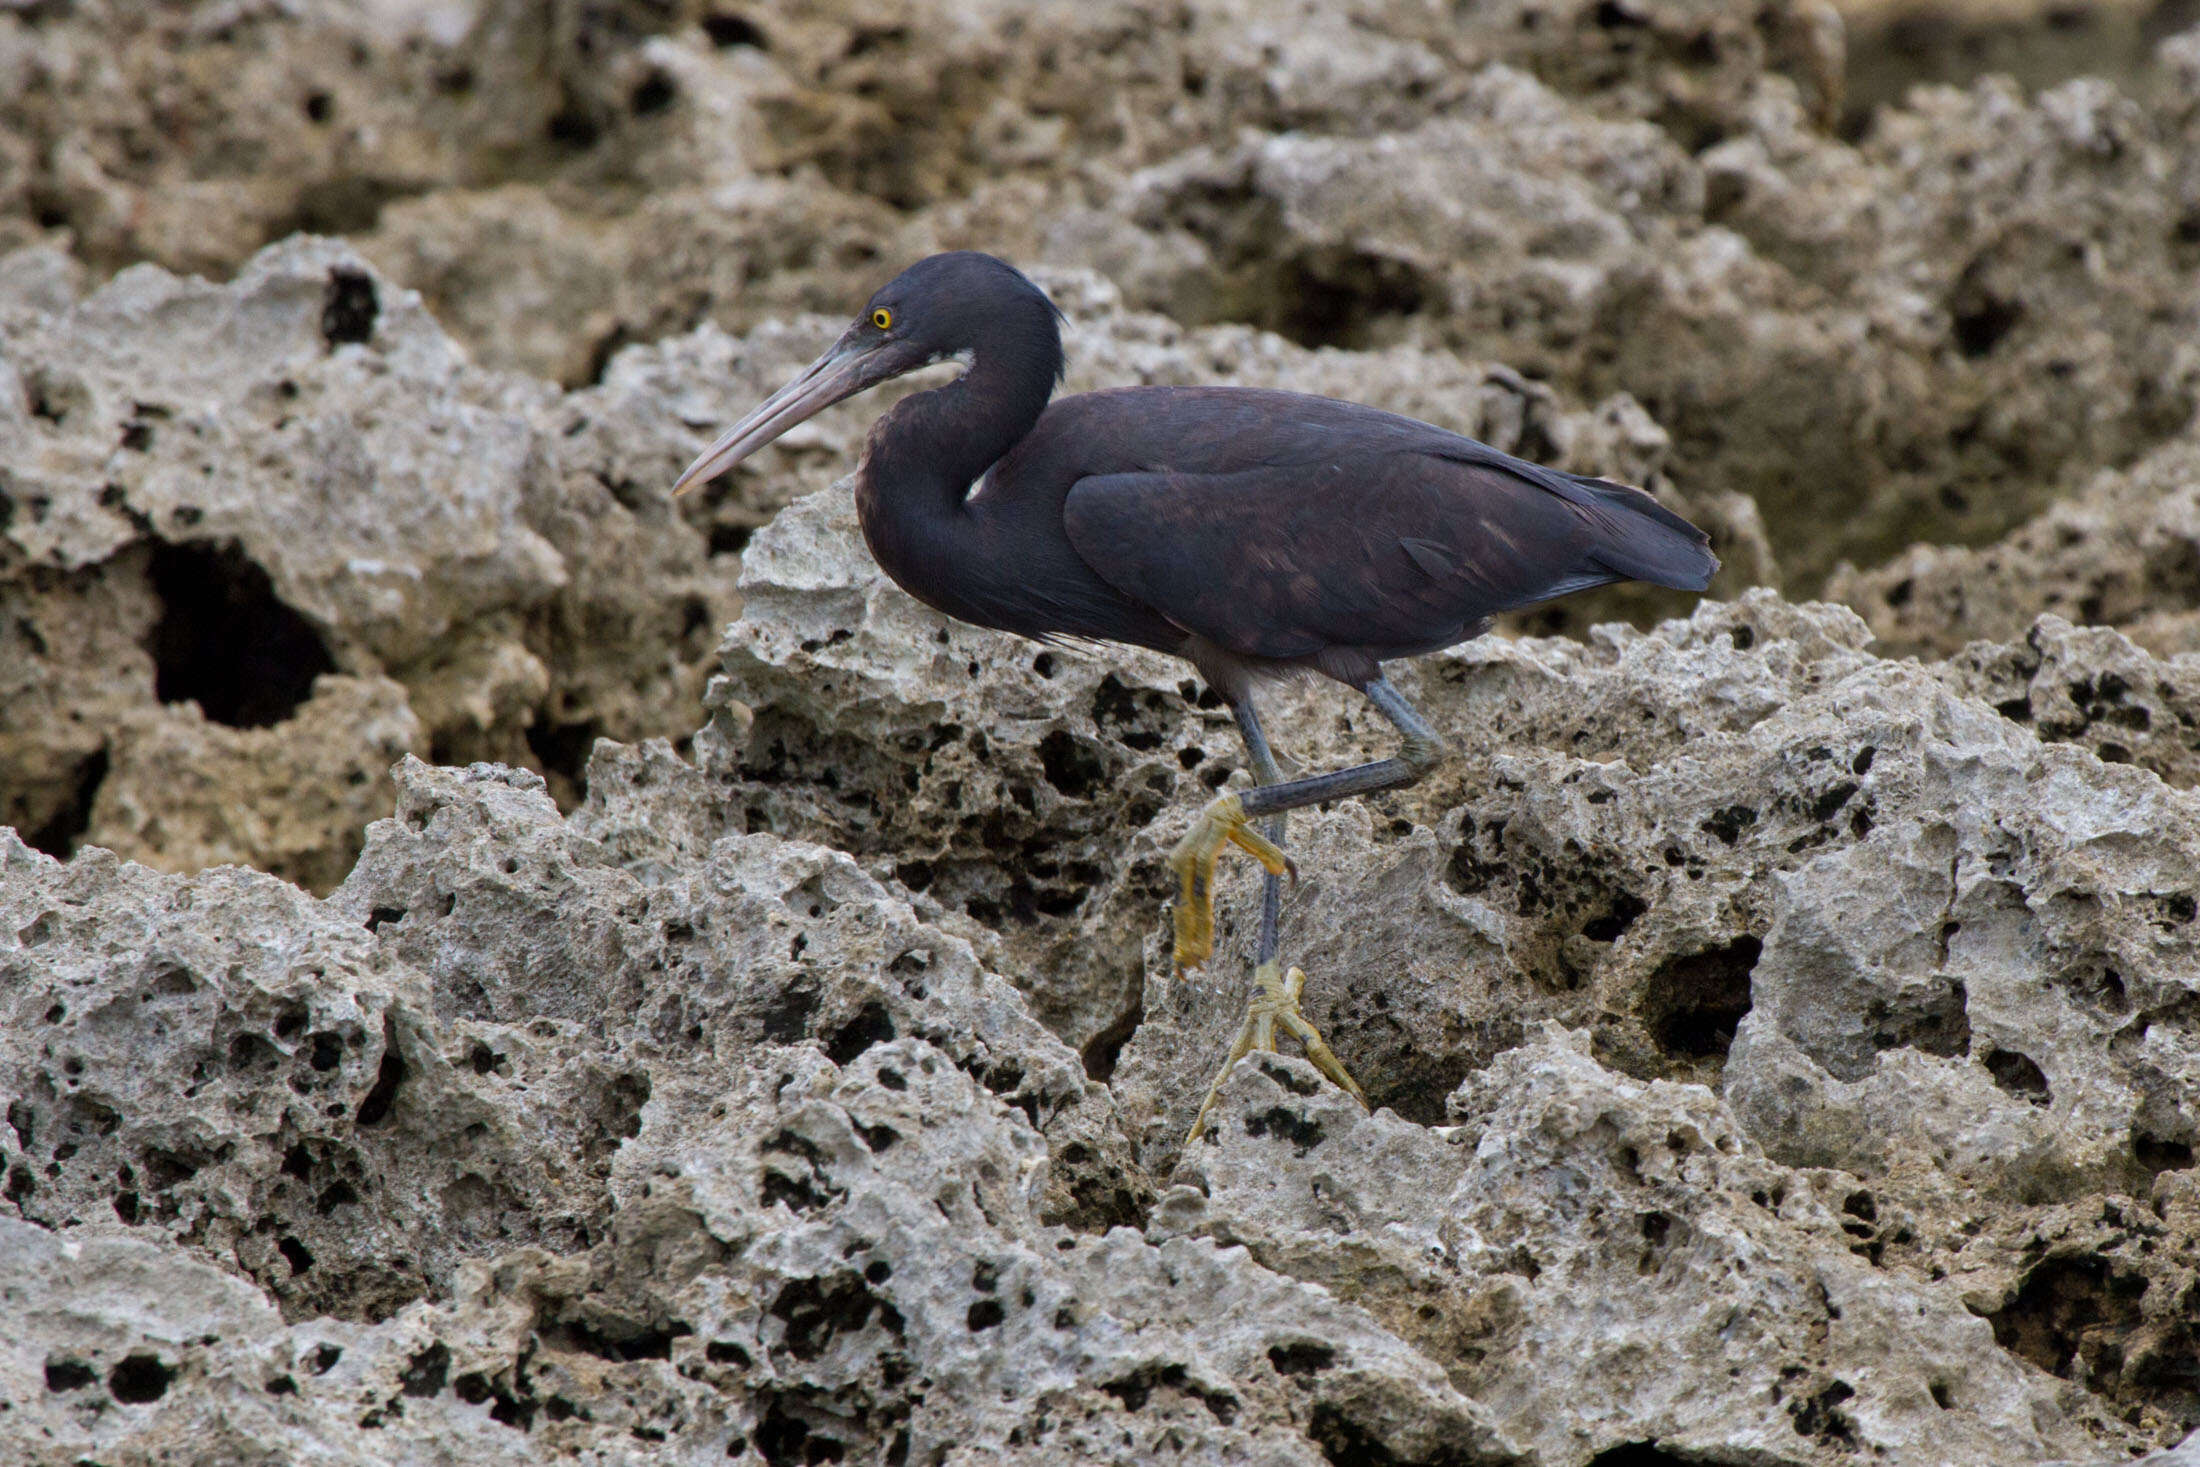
column 1267, row 772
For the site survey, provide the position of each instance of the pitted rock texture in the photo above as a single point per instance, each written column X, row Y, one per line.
column 265, row 537
column 1571, row 1222
column 632, row 1127
column 2124, row 552
column 788, row 1183
column 1781, row 1051
column 1875, row 321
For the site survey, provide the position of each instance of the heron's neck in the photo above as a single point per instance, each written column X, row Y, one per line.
column 913, row 493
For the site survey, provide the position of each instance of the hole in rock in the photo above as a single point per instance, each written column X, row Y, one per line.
column 1617, row 917
column 139, row 1379
column 68, row 1375
column 2161, row 1154
column 1342, row 297
column 2016, row 1074
column 426, row 1372
column 2070, row 1317
column 349, row 309
column 1692, row 1003
column 1980, row 321
column 1639, row 1454
column 375, row 1107
column 64, row 829
column 653, row 94
column 870, row 1026
column 784, row 1440
column 224, row 640
column 1346, row 1442
column 727, row 30
column 1301, row 1358
column 816, row 1311
column 1105, row 1049
column 632, row 1343
column 1820, row 1416
column 1137, row 1388
column 1070, row 767
column 563, row 750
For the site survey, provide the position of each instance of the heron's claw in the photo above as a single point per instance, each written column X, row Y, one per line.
column 1193, row 860
column 1276, row 1001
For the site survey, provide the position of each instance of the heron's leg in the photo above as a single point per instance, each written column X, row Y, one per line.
column 1275, row 993
column 1266, row 772
column 1229, row 819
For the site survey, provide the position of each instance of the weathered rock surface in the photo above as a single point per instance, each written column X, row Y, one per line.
column 745, row 1156
column 637, row 1123
column 278, row 532
column 1782, row 1053
column 1574, row 1230
column 2124, row 553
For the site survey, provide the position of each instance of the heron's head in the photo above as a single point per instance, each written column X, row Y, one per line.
column 956, row 305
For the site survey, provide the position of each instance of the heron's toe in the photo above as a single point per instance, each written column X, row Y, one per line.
column 1193, row 860
column 1276, row 1002
column 1310, row 1038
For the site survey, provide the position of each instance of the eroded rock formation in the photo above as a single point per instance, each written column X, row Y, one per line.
column 496, row 965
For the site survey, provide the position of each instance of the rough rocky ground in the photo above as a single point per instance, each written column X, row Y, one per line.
column 498, row 966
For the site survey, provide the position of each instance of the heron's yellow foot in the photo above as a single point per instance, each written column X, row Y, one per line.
column 1276, row 1001
column 1222, row 823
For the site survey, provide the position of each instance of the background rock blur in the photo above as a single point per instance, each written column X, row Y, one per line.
column 1782, row 1051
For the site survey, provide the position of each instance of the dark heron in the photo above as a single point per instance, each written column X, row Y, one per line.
column 1252, row 533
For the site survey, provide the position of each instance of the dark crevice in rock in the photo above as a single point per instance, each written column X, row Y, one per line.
column 872, row 1025
column 64, row 829
column 1105, row 1049
column 1345, row 1442
column 139, row 1379
column 225, row 641
column 374, row 1108
column 2073, row 1316
column 2016, row 1074
column 1691, row 1004
column 1640, row 1454
column 561, row 751
column 727, row 29
column 348, row 314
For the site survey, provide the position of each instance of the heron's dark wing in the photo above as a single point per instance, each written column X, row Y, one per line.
column 1397, row 549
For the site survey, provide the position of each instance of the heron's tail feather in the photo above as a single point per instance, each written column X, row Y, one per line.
column 1648, row 541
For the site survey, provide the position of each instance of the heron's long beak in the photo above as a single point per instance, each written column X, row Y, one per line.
column 845, row 370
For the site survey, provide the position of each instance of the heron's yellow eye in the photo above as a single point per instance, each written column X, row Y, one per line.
column 882, row 318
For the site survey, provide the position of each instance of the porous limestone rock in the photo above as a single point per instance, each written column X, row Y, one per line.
column 1901, row 935
column 2124, row 552
column 226, row 1066
column 219, row 495
column 634, row 1121
column 782, row 1150
column 1882, row 335
column 1878, row 343
column 1577, row 1235
column 2091, row 686
column 1781, row 1052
